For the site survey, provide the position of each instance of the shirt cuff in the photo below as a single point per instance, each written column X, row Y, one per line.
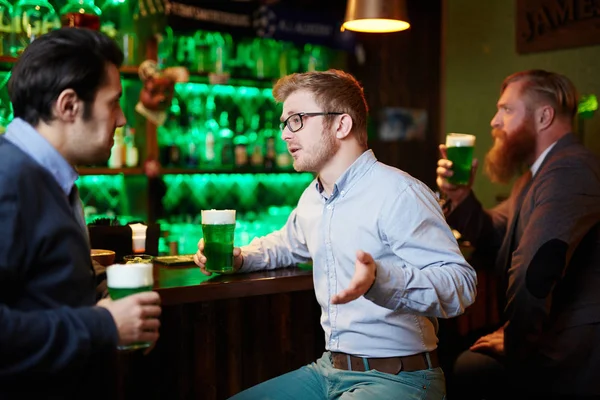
column 251, row 261
column 389, row 286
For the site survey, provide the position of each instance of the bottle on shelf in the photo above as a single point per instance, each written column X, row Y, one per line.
column 240, row 143
column 169, row 152
column 80, row 14
column 132, row 156
column 270, row 137
column 255, row 144
column 116, row 22
column 201, row 53
column 211, row 131
column 30, row 19
column 226, row 138
column 209, row 159
column 117, row 151
column 6, row 10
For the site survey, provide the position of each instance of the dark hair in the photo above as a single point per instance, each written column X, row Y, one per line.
column 67, row 58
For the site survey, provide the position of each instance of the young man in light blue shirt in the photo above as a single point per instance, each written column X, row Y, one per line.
column 386, row 264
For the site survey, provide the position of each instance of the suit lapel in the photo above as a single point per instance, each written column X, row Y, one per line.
column 522, row 187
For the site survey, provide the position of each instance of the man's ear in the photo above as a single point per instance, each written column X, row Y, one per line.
column 343, row 126
column 67, row 106
column 544, row 116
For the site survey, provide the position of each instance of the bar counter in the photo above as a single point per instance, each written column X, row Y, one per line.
column 224, row 333
column 186, row 284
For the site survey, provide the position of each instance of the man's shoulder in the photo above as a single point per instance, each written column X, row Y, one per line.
column 15, row 166
column 575, row 157
column 11, row 154
column 394, row 179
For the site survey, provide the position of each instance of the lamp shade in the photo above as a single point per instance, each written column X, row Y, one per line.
column 376, row 16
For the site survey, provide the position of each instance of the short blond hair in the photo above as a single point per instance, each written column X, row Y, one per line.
column 334, row 91
column 543, row 86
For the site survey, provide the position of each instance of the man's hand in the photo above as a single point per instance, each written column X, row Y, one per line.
column 135, row 316
column 455, row 193
column 364, row 276
column 492, row 343
column 200, row 258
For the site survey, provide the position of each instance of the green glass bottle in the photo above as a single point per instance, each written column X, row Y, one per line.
column 30, row 19
column 240, row 143
column 6, row 10
column 226, row 142
column 117, row 22
column 255, row 144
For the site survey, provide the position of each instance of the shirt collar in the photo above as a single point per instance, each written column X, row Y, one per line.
column 347, row 180
column 29, row 140
column 536, row 165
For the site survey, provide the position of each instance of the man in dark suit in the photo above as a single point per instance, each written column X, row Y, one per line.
column 545, row 244
column 55, row 342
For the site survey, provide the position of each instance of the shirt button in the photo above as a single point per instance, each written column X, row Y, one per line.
column 329, row 207
column 343, row 192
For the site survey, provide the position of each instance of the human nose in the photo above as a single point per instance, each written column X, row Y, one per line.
column 286, row 134
column 121, row 120
column 496, row 121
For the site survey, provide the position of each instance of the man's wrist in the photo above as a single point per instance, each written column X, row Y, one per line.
column 241, row 264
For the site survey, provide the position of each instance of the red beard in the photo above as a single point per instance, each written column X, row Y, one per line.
column 510, row 154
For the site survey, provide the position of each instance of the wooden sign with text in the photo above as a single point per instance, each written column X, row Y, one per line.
column 556, row 24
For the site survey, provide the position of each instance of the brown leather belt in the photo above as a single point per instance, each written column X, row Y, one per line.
column 390, row 365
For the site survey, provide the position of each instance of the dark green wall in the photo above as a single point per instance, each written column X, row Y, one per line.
column 479, row 52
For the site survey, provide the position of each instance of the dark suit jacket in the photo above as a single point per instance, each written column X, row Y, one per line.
column 53, row 342
column 546, row 241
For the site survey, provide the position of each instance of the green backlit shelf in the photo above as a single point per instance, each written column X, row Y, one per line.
column 176, row 171
column 203, row 78
column 109, row 171
column 192, row 171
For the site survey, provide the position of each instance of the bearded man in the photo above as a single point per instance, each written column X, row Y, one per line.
column 544, row 242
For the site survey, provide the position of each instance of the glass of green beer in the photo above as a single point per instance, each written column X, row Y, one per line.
column 127, row 279
column 459, row 149
column 218, row 228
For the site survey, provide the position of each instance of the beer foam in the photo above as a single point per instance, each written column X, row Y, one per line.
column 125, row 276
column 218, row 217
column 460, row 140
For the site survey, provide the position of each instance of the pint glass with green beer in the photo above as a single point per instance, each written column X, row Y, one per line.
column 459, row 149
column 127, row 279
column 218, row 228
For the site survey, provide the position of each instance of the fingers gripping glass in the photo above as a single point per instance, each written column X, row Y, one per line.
column 294, row 122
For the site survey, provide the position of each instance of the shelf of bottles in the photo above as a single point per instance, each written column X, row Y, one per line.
column 220, row 146
column 24, row 20
column 263, row 202
column 234, row 125
column 230, row 133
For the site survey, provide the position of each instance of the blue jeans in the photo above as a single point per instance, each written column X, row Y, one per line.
column 320, row 380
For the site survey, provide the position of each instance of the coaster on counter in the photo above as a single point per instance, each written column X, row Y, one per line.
column 175, row 260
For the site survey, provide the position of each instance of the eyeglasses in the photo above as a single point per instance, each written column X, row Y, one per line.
column 294, row 122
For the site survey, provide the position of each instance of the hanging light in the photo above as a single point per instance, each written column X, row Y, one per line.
column 376, row 16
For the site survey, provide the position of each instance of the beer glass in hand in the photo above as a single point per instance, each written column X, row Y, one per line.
column 218, row 228
column 124, row 280
column 459, row 150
